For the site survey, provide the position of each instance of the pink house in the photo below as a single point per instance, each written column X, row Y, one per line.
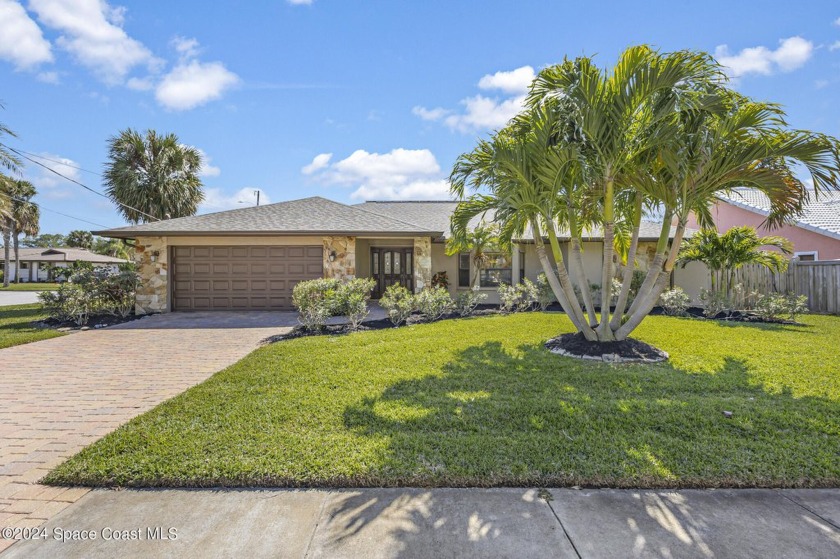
column 815, row 233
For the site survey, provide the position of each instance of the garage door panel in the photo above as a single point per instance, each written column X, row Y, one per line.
column 241, row 277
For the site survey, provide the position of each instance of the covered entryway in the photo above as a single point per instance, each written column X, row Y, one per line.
column 389, row 266
column 241, row 277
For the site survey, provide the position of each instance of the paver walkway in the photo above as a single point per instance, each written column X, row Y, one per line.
column 418, row 523
column 62, row 394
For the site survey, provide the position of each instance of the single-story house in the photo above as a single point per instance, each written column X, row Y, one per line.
column 815, row 233
column 251, row 258
column 42, row 264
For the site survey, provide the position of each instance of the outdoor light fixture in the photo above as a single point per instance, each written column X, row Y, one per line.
column 332, row 256
column 155, row 255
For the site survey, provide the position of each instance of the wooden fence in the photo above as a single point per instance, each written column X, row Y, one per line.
column 819, row 281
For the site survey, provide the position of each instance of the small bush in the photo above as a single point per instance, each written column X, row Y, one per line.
column 674, row 302
column 714, row 303
column 316, row 300
column 516, row 298
column 775, row 305
column 398, row 302
column 467, row 301
column 433, row 303
column 91, row 291
column 545, row 295
column 508, row 297
column 352, row 298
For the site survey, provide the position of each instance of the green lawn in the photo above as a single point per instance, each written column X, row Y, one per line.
column 16, row 325
column 29, row 287
column 480, row 402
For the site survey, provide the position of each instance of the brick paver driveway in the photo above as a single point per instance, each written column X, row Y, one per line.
column 62, row 394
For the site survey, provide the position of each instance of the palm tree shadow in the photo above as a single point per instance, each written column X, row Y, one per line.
column 494, row 417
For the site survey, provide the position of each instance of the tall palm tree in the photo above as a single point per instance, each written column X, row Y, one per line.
column 480, row 242
column 151, row 176
column 724, row 253
column 24, row 217
column 597, row 148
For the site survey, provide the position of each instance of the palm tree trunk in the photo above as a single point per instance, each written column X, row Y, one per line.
column 629, row 268
column 16, row 237
column 558, row 279
column 580, row 274
column 584, row 287
column 652, row 297
column 656, row 265
column 604, row 332
column 6, row 240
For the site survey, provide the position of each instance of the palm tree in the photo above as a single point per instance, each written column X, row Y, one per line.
column 152, row 176
column 80, row 239
column 480, row 242
column 724, row 253
column 24, row 217
column 7, row 158
column 597, row 148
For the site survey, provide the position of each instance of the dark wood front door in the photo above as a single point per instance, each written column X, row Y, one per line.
column 389, row 266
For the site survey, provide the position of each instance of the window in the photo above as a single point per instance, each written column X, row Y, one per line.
column 464, row 269
column 521, row 266
column 806, row 256
column 496, row 270
column 24, row 265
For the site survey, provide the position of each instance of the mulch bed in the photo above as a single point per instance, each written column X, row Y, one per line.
column 95, row 322
column 625, row 351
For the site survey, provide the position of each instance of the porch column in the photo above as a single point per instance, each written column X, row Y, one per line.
column 514, row 263
column 340, row 257
column 422, row 263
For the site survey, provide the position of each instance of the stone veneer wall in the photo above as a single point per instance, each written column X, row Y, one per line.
column 153, row 291
column 422, row 263
column 344, row 265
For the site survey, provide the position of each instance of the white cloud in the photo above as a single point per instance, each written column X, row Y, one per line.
column 834, row 46
column 791, row 54
column 187, row 48
column 216, row 199
column 482, row 112
column 514, row 82
column 837, row 22
column 208, row 170
column 194, row 83
column 300, row 2
column 401, row 174
column 49, row 184
column 92, row 32
column 21, row 40
column 140, row 84
column 49, row 77
column 318, row 162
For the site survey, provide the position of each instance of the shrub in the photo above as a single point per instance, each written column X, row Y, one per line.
column 508, row 297
column 520, row 297
column 91, row 291
column 440, row 279
column 545, row 295
column 776, row 305
column 714, row 303
column 467, row 301
column 316, row 300
column 352, row 298
column 398, row 302
column 433, row 303
column 674, row 301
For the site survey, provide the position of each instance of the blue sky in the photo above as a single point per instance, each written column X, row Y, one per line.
column 349, row 100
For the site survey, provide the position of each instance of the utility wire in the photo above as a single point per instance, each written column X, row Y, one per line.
column 65, row 177
column 56, row 212
column 59, row 162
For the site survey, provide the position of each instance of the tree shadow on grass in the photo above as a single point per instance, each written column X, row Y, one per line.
column 531, row 418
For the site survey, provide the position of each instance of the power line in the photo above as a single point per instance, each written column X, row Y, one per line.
column 55, row 211
column 59, row 162
column 74, row 181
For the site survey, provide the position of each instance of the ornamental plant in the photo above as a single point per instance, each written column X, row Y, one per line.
column 398, row 302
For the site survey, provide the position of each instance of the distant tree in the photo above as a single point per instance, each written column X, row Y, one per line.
column 25, row 217
column 151, row 176
column 111, row 247
column 80, row 239
column 46, row 240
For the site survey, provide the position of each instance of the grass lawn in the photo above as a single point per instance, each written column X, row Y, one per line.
column 16, row 325
column 29, row 287
column 480, row 402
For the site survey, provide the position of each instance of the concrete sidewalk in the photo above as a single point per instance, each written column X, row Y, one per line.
column 8, row 298
column 379, row 523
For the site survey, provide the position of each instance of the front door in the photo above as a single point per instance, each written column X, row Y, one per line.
column 389, row 266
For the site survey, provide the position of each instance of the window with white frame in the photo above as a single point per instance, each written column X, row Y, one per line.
column 808, row 256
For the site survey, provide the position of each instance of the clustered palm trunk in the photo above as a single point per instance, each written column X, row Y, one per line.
column 595, row 150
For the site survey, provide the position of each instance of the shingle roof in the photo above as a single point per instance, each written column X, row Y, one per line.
column 313, row 215
column 66, row 254
column 820, row 214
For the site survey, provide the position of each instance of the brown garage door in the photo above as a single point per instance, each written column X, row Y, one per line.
column 241, row 277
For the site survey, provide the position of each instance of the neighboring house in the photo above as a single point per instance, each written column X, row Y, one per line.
column 43, row 264
column 251, row 258
column 815, row 233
